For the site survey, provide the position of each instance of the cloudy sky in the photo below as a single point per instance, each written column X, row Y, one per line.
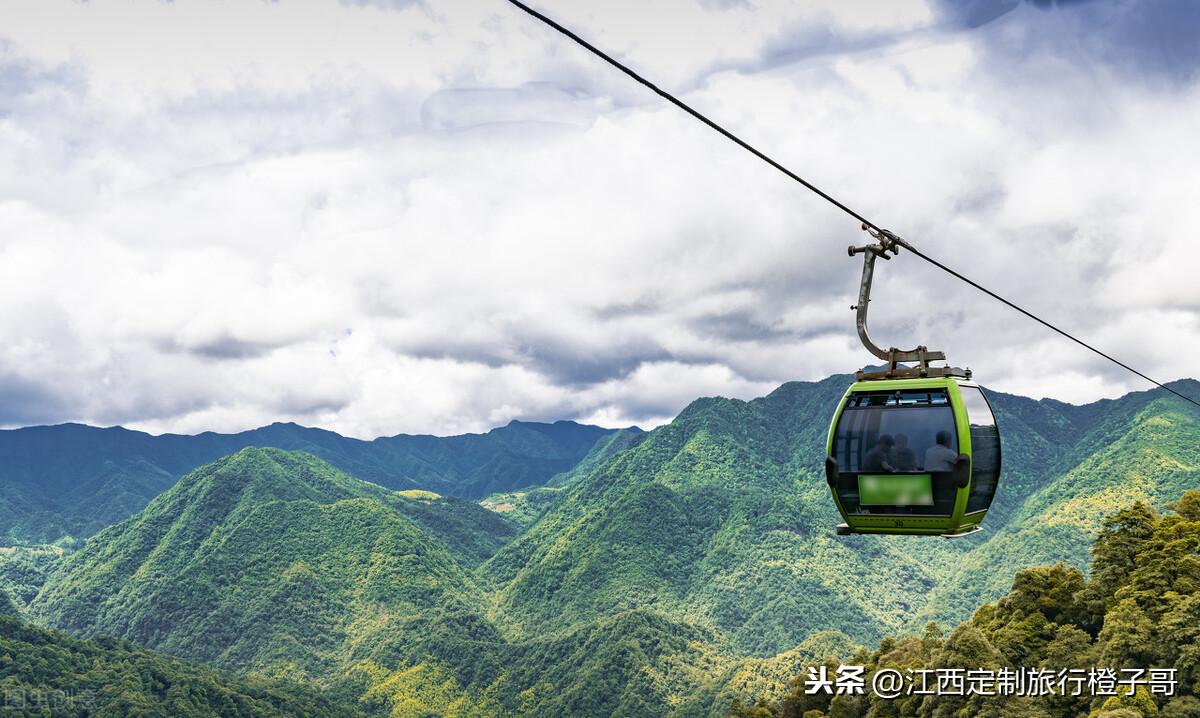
column 436, row 216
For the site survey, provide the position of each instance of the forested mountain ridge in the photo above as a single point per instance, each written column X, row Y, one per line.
column 265, row 549
column 273, row 563
column 73, row 480
column 665, row 574
column 702, row 514
column 716, row 516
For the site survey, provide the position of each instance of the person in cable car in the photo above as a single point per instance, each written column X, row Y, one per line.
column 903, row 458
column 940, row 457
column 877, row 458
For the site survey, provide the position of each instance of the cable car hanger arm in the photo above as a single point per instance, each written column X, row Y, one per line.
column 887, row 245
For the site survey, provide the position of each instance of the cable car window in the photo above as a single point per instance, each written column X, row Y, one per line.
column 909, row 431
column 985, row 449
column 907, row 397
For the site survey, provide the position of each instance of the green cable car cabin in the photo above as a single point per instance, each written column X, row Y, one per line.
column 911, row 449
column 913, row 456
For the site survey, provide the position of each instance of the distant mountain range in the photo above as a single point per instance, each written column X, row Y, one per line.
column 73, row 480
column 659, row 573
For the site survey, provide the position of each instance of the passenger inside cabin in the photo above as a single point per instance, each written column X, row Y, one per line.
column 940, row 457
column 877, row 458
column 902, row 457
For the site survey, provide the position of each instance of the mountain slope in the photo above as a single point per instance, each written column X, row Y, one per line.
column 719, row 518
column 72, row 480
column 23, row 570
column 46, row 668
column 664, row 575
column 274, row 564
column 723, row 517
column 265, row 560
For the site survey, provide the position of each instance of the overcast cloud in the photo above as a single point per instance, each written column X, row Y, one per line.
column 438, row 216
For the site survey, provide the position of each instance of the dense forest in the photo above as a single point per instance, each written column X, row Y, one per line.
column 1139, row 609
column 48, row 673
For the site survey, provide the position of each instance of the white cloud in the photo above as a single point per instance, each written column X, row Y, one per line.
column 441, row 217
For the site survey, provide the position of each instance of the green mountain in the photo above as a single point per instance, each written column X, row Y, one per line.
column 523, row 507
column 73, row 480
column 49, row 673
column 665, row 573
column 23, row 570
column 723, row 517
column 273, row 562
column 526, row 506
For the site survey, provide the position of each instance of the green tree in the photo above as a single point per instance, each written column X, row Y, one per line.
column 1127, row 637
column 1114, row 554
column 1181, row 707
column 759, row 709
column 1140, row 704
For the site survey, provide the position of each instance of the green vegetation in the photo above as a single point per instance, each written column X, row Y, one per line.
column 720, row 519
column 523, row 507
column 603, row 450
column 49, row 673
column 265, row 561
column 771, row 679
column 23, row 569
column 7, row 607
column 73, row 480
column 419, row 495
column 274, row 564
column 472, row 466
column 1139, row 609
column 666, row 574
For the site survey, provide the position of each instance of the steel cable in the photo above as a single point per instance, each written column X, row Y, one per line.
column 824, row 195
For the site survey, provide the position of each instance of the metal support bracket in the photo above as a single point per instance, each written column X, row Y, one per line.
column 888, row 245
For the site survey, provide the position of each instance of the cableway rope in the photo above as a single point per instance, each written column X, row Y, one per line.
column 828, row 198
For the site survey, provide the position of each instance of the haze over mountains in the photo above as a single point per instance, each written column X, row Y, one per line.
column 659, row 573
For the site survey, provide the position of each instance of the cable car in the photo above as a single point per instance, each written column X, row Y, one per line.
column 913, row 456
column 911, row 449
